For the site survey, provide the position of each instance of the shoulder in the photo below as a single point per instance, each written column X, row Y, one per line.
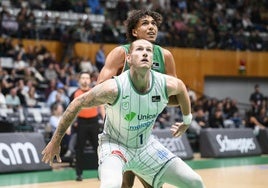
column 166, row 53
column 170, row 66
column 118, row 54
column 119, row 49
column 109, row 86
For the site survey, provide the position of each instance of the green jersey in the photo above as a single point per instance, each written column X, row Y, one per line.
column 131, row 118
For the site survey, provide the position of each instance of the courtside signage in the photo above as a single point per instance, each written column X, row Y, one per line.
column 228, row 143
column 179, row 146
column 21, row 152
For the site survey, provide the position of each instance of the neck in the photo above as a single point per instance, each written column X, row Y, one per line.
column 84, row 88
column 141, row 80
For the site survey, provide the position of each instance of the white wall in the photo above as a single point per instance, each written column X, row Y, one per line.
column 238, row 88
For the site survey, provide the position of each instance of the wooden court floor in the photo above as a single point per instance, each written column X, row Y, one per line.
column 246, row 172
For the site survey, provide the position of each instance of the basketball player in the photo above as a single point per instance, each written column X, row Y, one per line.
column 133, row 101
column 141, row 24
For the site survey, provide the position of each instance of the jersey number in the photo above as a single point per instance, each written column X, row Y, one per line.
column 141, row 138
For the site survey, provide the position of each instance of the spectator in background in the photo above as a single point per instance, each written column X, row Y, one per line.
column 253, row 122
column 256, row 99
column 216, row 119
column 200, row 121
column 29, row 76
column 163, row 119
column 192, row 95
column 50, row 72
column 56, row 114
column 22, row 90
column 7, row 48
column 86, row 65
column 58, row 96
column 6, row 83
column 2, row 99
column 263, row 116
column 95, row 6
column 13, row 100
column 52, row 85
column 31, row 98
column 100, row 57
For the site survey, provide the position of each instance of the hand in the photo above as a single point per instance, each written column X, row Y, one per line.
column 178, row 129
column 50, row 151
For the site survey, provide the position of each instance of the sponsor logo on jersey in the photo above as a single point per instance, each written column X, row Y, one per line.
column 125, row 105
column 156, row 98
column 162, row 154
column 125, row 97
column 156, row 65
column 142, row 125
column 130, row 116
column 146, row 116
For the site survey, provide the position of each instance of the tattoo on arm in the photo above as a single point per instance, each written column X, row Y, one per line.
column 100, row 94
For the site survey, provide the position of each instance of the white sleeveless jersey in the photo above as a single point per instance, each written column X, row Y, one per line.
column 131, row 118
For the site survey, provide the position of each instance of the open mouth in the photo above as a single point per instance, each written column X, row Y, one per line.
column 151, row 33
column 145, row 60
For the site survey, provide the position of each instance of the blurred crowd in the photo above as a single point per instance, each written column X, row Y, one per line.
column 38, row 80
column 205, row 24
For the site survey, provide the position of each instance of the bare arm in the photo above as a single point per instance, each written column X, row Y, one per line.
column 170, row 68
column 104, row 93
column 176, row 87
column 113, row 65
column 170, row 65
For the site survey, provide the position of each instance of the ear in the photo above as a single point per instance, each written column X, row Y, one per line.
column 128, row 59
column 134, row 32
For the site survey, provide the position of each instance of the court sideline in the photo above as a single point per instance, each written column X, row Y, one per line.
column 242, row 172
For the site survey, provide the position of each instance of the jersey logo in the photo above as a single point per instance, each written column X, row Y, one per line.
column 156, row 98
column 156, row 65
column 130, row 116
column 162, row 154
column 125, row 97
column 125, row 105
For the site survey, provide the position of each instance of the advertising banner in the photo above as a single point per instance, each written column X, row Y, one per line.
column 180, row 146
column 21, row 152
column 263, row 140
column 228, row 143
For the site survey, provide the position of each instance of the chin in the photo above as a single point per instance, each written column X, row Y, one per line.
column 151, row 39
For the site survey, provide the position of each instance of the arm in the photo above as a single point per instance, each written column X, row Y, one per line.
column 170, row 68
column 113, row 65
column 104, row 93
column 170, row 65
column 177, row 87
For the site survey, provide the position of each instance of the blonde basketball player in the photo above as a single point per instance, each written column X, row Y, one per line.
column 133, row 101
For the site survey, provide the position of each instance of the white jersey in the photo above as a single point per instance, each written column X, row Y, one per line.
column 131, row 118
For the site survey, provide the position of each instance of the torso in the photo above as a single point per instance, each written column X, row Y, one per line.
column 131, row 118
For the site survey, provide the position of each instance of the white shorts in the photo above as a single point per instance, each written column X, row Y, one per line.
column 149, row 162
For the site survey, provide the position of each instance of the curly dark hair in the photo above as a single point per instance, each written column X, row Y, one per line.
column 135, row 16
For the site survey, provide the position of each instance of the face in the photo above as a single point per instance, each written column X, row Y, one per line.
column 146, row 29
column 84, row 80
column 141, row 55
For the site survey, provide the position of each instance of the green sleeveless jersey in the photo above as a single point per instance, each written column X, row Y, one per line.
column 131, row 118
column 158, row 59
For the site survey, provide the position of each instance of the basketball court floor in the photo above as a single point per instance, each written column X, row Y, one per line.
column 240, row 172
